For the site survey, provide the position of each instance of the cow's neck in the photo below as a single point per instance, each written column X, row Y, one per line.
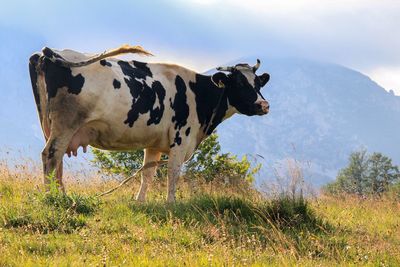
column 211, row 103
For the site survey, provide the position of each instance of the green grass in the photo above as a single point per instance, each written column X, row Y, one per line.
column 214, row 228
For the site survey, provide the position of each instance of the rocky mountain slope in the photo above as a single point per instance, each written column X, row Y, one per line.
column 319, row 113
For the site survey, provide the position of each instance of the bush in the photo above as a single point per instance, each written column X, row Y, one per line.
column 115, row 162
column 207, row 163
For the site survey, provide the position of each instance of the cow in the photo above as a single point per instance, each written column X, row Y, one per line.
column 113, row 104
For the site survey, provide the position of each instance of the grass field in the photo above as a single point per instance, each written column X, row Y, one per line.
column 216, row 226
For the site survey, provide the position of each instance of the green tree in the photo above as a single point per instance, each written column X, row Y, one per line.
column 382, row 173
column 118, row 162
column 207, row 163
column 365, row 174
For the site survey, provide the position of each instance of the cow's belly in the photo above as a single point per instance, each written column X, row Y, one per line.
column 109, row 136
column 132, row 138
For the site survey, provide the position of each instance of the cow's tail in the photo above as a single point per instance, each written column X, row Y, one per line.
column 124, row 49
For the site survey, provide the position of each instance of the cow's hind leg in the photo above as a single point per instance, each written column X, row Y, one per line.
column 52, row 156
column 148, row 173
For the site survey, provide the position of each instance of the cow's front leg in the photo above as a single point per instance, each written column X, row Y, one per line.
column 175, row 161
column 59, row 175
column 148, row 173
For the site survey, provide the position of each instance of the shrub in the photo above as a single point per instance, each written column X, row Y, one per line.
column 207, row 163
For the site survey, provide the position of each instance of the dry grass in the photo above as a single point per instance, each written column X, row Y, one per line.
column 212, row 225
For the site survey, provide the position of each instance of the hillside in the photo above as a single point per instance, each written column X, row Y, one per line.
column 218, row 226
column 320, row 112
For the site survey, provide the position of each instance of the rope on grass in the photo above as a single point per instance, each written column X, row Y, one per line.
column 146, row 166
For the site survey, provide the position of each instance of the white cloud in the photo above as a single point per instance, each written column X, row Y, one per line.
column 362, row 34
column 200, row 34
column 388, row 78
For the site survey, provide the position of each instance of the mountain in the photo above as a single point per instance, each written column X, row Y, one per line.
column 319, row 114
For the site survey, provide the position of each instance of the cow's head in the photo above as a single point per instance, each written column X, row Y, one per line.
column 242, row 87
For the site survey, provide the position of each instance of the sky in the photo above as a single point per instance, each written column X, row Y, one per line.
column 201, row 34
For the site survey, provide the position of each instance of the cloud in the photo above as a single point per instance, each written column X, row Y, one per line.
column 361, row 34
column 387, row 77
column 360, row 30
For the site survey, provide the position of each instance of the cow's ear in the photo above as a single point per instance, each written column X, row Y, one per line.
column 264, row 78
column 219, row 79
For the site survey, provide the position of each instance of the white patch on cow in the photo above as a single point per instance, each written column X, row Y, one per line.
column 259, row 98
column 250, row 76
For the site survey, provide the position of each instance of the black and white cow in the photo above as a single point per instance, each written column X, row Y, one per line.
column 114, row 104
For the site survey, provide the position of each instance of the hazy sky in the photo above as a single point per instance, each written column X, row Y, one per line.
column 360, row 34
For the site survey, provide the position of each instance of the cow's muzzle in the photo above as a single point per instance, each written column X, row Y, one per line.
column 262, row 107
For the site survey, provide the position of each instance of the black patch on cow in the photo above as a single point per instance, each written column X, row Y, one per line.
column 179, row 105
column 55, row 57
column 33, row 61
column 48, row 52
column 180, row 108
column 208, row 96
column 177, row 139
column 187, row 132
column 52, row 149
column 139, row 71
column 116, row 84
column 143, row 68
column 57, row 77
column 104, row 62
column 157, row 113
column 144, row 96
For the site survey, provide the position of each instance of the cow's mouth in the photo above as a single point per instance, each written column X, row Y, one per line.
column 262, row 109
column 261, row 112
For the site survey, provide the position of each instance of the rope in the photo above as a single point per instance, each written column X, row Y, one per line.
column 146, row 166
column 215, row 110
